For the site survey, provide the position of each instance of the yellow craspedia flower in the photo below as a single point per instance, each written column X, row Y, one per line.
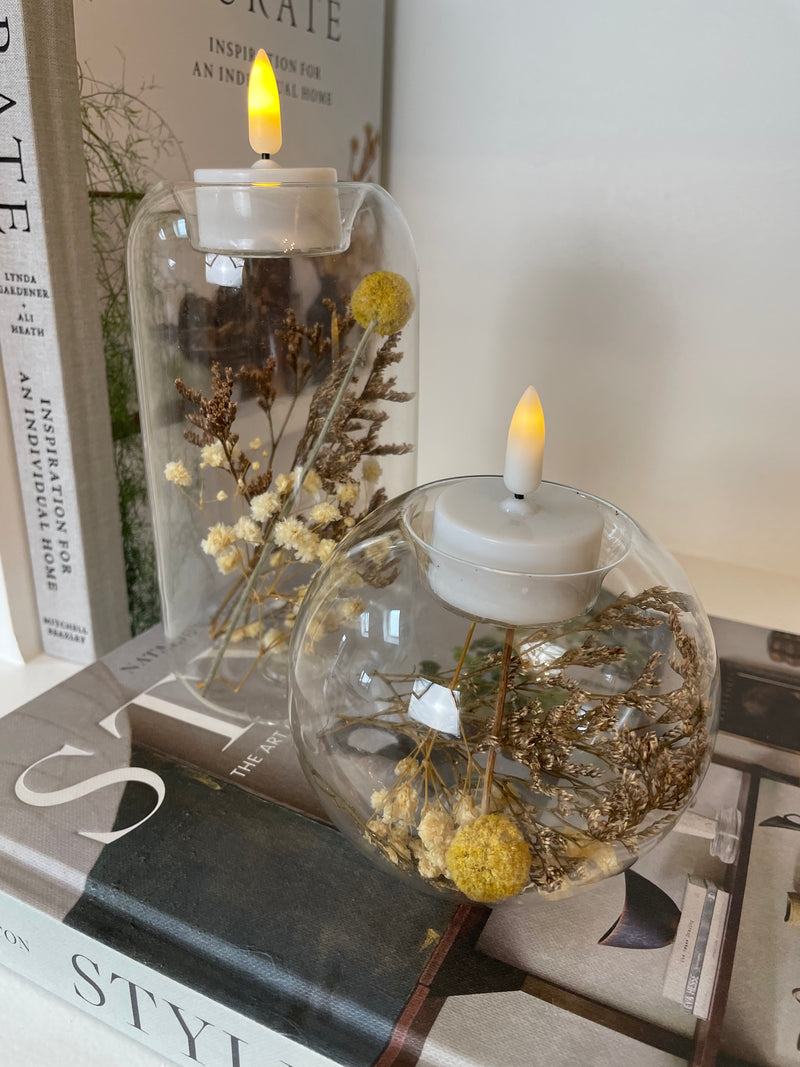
column 489, row 859
column 385, row 297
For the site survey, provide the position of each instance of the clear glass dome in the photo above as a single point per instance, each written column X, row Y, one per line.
column 541, row 744
column 244, row 340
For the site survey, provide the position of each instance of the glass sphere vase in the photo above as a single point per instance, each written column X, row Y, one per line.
column 487, row 733
column 276, row 409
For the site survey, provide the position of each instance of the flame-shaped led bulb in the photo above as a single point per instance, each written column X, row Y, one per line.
column 525, row 449
column 264, row 107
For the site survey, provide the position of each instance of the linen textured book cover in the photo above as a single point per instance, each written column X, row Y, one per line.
column 170, row 872
column 51, row 342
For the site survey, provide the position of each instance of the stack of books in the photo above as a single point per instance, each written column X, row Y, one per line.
column 170, row 872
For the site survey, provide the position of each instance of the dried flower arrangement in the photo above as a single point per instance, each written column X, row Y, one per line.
column 558, row 775
column 285, row 524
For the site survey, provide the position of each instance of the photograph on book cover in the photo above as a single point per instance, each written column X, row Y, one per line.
column 754, row 1016
column 762, row 1018
column 567, row 944
column 760, row 704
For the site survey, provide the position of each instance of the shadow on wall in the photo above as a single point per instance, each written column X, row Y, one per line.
column 602, row 335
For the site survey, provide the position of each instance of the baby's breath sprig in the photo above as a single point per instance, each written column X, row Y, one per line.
column 261, row 550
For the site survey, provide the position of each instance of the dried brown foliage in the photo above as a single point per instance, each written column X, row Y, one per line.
column 599, row 764
column 308, row 353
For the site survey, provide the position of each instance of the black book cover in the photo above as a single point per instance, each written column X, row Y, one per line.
column 263, row 909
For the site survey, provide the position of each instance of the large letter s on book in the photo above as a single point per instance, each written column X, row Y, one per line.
column 90, row 785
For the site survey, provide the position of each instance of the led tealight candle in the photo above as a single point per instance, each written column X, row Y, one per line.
column 267, row 209
column 514, row 550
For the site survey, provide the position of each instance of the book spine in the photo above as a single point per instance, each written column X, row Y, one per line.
column 680, row 960
column 166, row 1016
column 700, row 946
column 708, row 974
column 51, row 341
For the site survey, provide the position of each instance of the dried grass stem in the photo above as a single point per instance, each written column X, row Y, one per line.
column 502, row 689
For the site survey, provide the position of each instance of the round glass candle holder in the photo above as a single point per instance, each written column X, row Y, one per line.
column 484, row 756
column 243, row 335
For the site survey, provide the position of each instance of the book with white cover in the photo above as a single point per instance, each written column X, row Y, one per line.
column 701, row 943
column 708, row 975
column 50, row 339
column 683, row 948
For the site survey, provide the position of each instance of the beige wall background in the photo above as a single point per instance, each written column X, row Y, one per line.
column 605, row 199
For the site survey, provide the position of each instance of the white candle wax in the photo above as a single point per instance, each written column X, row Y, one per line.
column 520, row 562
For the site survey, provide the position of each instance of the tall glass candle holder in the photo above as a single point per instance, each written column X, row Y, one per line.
column 275, row 337
column 488, row 731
